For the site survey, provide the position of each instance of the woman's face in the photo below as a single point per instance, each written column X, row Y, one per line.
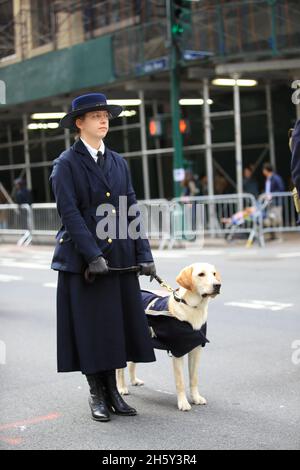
column 94, row 124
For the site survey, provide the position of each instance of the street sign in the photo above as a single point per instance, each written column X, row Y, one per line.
column 194, row 55
column 155, row 65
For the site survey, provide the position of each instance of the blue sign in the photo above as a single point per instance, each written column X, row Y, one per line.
column 155, row 65
column 193, row 55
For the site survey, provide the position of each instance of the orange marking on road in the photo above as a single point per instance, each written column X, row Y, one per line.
column 38, row 419
column 14, row 441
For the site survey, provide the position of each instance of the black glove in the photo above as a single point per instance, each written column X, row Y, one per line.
column 98, row 266
column 147, row 269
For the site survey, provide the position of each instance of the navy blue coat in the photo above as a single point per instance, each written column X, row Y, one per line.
column 295, row 168
column 80, row 186
column 100, row 326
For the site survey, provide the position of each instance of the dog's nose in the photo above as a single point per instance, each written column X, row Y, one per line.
column 217, row 288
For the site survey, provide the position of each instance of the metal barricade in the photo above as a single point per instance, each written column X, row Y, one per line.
column 16, row 220
column 279, row 214
column 46, row 220
column 228, row 215
column 154, row 218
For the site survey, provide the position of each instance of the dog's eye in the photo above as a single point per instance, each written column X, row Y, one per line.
column 201, row 274
column 215, row 274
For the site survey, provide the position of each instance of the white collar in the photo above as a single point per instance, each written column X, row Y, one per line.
column 94, row 151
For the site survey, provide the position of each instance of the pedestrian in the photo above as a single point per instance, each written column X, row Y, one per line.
column 189, row 184
column 21, row 193
column 100, row 325
column 274, row 183
column 250, row 184
column 274, row 213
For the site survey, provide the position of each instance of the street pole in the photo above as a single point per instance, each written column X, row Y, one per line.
column 178, row 171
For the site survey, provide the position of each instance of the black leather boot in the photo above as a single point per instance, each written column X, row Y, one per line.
column 97, row 400
column 114, row 400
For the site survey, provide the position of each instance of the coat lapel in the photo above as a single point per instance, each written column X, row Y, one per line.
column 111, row 170
column 87, row 159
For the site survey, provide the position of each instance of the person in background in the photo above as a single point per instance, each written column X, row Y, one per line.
column 203, row 185
column 250, row 184
column 274, row 183
column 22, row 195
column 189, row 185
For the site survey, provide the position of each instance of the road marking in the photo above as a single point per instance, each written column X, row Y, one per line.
column 50, row 284
column 167, row 254
column 17, row 264
column 205, row 252
column 9, row 278
column 182, row 253
column 36, row 420
column 164, row 391
column 260, row 305
column 288, row 255
column 14, row 441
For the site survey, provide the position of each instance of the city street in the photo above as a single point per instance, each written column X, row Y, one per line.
column 249, row 373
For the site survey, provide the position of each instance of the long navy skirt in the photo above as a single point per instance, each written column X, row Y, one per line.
column 100, row 326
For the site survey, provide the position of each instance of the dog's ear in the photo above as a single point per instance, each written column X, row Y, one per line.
column 218, row 276
column 185, row 279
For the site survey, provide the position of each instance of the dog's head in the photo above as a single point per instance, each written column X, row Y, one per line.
column 201, row 278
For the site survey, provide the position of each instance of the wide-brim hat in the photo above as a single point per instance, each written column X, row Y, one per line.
column 86, row 103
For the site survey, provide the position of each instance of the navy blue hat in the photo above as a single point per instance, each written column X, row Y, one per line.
column 86, row 103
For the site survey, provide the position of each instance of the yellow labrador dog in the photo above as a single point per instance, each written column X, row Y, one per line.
column 198, row 282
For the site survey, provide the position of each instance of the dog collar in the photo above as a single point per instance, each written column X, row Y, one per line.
column 178, row 299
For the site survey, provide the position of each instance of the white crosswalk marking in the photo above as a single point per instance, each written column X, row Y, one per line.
column 260, row 305
column 288, row 255
column 8, row 263
column 9, row 278
column 50, row 284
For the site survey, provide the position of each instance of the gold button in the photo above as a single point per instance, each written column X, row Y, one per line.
column 113, row 211
column 109, row 240
column 61, row 240
column 107, row 194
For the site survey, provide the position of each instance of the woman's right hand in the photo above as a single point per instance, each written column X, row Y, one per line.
column 98, row 266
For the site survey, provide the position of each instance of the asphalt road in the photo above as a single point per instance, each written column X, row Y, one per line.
column 250, row 373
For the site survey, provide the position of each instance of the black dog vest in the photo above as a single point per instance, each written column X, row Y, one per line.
column 171, row 334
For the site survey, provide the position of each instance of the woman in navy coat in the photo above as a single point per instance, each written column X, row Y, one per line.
column 100, row 325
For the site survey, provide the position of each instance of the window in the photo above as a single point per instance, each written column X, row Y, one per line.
column 41, row 22
column 7, row 33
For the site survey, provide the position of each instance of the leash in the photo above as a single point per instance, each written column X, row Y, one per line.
column 164, row 284
column 90, row 278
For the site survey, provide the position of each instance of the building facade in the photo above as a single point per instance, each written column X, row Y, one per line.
column 52, row 51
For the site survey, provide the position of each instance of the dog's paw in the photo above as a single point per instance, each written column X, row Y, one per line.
column 137, row 382
column 123, row 391
column 197, row 399
column 183, row 404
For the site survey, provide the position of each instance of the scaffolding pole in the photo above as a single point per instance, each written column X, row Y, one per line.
column 238, row 136
column 158, row 157
column 208, row 151
column 26, row 152
column 270, row 125
column 144, row 146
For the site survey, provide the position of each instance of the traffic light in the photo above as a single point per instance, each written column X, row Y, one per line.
column 155, row 128
column 181, row 19
column 184, row 126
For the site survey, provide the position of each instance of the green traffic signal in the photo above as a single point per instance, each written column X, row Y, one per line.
column 181, row 17
column 177, row 29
